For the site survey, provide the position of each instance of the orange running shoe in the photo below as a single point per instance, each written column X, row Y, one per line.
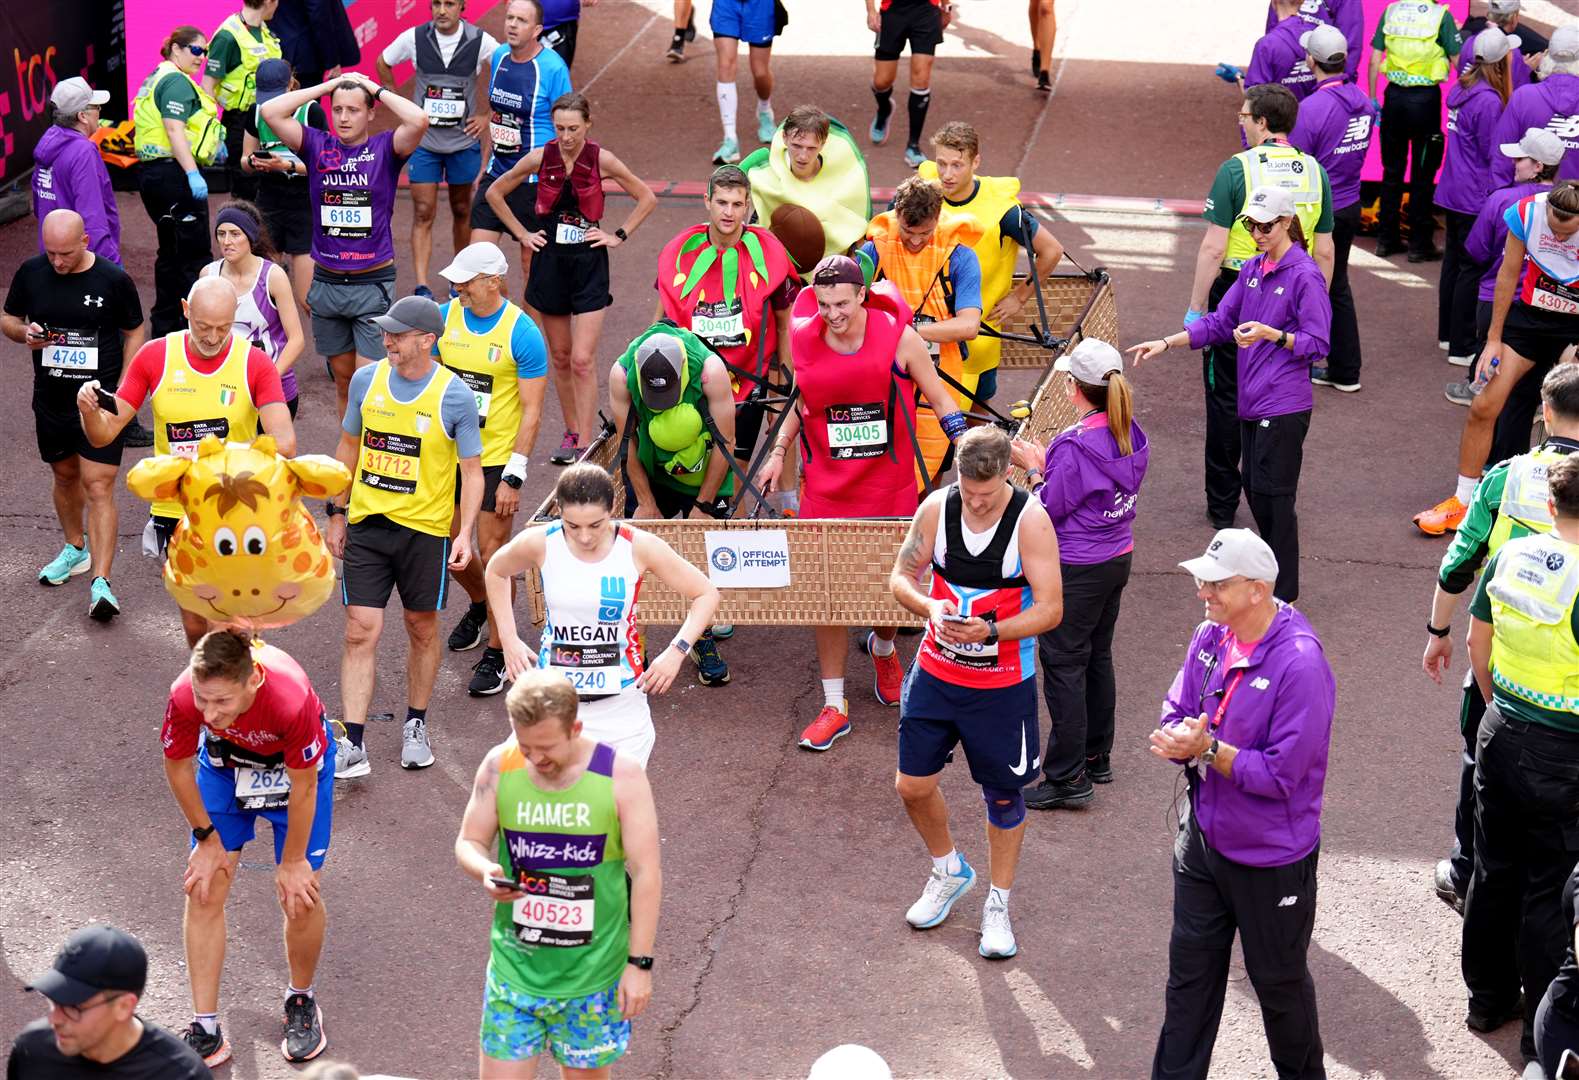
column 1445, row 516
column 830, row 725
column 888, row 675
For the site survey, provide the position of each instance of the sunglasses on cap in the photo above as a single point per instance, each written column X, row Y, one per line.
column 1257, row 228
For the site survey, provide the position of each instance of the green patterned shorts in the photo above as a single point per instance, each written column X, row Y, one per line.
column 583, row 1032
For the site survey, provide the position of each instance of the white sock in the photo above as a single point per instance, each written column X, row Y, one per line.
column 882, row 646
column 948, row 864
column 997, row 895
column 833, row 693
column 726, row 108
column 1466, row 488
column 292, row 991
column 209, row 1022
column 765, row 108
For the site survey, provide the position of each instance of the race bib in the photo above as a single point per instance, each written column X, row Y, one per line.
column 72, row 350
column 481, row 387
column 505, row 131
column 390, row 462
column 1554, row 296
column 347, row 215
column 979, row 654
column 445, row 106
column 184, row 437
column 558, row 910
column 262, row 788
column 572, row 231
column 721, row 325
column 592, row 668
column 857, row 431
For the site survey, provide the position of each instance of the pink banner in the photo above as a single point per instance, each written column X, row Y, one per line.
column 1373, row 18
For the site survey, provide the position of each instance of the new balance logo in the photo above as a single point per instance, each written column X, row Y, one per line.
column 1564, row 127
column 1359, row 128
column 1288, row 901
column 1259, row 684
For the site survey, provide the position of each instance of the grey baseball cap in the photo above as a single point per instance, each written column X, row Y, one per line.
column 412, row 313
column 72, row 95
column 1538, row 143
column 1502, row 7
column 1325, row 42
column 1491, row 45
column 1564, row 44
column 1234, row 553
column 660, row 361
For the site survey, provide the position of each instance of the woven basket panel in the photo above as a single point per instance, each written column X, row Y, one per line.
column 1067, row 298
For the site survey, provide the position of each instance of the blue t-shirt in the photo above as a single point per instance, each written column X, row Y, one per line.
column 457, row 412
column 559, row 12
column 522, row 97
column 526, row 340
column 964, row 275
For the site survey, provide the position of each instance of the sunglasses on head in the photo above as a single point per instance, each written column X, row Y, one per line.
column 1256, row 228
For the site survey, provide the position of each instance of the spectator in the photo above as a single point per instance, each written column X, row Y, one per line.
column 316, row 38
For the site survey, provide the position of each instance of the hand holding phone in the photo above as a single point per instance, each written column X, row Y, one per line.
column 504, row 883
column 107, row 400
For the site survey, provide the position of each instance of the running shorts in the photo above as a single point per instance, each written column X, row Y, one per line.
column 918, row 22
column 381, row 556
column 236, row 827
column 585, row 1032
column 999, row 729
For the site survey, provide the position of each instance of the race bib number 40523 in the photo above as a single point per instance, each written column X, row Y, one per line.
column 558, row 910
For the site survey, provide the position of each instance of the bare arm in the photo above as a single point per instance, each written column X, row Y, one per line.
column 99, row 426
column 653, row 555
column 1039, row 557
column 635, row 187
column 523, row 552
column 132, row 340
column 531, row 392
column 620, row 405
column 963, row 325
column 1507, row 283
column 913, row 357
column 1378, row 58
column 290, row 318
column 180, row 149
column 639, row 836
column 786, row 354
column 280, row 113
column 479, row 832
column 1208, row 261
column 275, row 419
column 915, row 555
column 1325, row 255
column 386, row 74
column 502, row 187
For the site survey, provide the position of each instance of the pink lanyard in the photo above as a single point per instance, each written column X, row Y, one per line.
column 1217, row 718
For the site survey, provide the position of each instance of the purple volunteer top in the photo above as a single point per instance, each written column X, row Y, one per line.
column 353, row 191
column 1280, row 58
column 69, row 174
column 1292, row 296
column 1472, row 117
column 1347, row 15
column 1518, row 67
column 1335, row 126
column 1552, row 103
column 1488, row 239
column 1090, row 490
column 1267, row 811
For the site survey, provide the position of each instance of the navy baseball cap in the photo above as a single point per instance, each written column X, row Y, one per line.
column 97, row 957
column 273, row 78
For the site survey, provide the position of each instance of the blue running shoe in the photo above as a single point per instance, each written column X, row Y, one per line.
column 102, row 604
column 422, row 290
column 710, row 667
column 69, row 563
column 937, row 899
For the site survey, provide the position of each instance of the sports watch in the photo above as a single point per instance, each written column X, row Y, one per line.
column 199, row 835
column 513, row 481
column 641, row 963
column 620, row 232
column 1209, row 755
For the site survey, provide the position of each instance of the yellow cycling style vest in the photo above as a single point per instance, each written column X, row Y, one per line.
column 486, row 364
column 1409, row 32
column 405, row 469
column 188, row 405
column 238, row 89
column 203, row 131
column 1533, row 653
column 1524, row 497
column 1275, row 165
column 994, row 197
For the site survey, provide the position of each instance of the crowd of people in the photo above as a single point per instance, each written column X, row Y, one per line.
column 842, row 369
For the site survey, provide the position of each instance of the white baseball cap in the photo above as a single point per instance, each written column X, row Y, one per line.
column 1268, row 203
column 1491, row 45
column 1090, row 361
column 1564, row 45
column 483, row 257
column 1326, row 43
column 1502, row 7
column 1538, row 143
column 73, row 95
column 1234, row 553
column 850, row 1062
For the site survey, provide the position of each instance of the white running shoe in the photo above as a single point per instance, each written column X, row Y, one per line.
column 997, row 936
column 350, row 760
column 939, row 895
column 415, row 751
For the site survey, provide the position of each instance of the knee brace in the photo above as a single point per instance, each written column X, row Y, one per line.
column 1005, row 806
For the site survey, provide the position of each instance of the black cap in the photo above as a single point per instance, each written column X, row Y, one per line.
column 97, row 957
column 661, row 361
column 272, row 79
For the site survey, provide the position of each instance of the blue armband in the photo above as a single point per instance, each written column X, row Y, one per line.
column 953, row 425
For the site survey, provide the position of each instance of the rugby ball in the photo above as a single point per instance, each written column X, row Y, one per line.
column 800, row 231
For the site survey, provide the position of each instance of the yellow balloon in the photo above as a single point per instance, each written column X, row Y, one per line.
column 246, row 552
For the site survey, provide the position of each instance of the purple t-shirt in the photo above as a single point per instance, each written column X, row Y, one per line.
column 1280, row 58
column 1335, row 126
column 1488, row 239
column 1553, row 104
column 1472, row 117
column 353, row 193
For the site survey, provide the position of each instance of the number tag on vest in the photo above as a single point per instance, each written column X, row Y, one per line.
column 481, row 386
column 857, row 431
column 977, row 654
column 346, row 214
column 505, row 131
column 390, row 462
column 1549, row 295
column 445, row 106
column 569, row 231
column 184, row 437
column 593, row 669
column 558, row 910
column 721, row 325
column 262, row 789
column 72, row 350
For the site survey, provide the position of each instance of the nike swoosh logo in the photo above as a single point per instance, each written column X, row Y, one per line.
column 1020, row 770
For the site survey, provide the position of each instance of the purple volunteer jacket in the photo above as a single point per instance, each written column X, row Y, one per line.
column 1347, row 15
column 1519, row 69
column 1552, row 103
column 1472, row 117
column 69, row 174
column 1273, row 381
column 1488, row 238
column 1267, row 812
column 1279, row 58
column 1335, row 126
column 1089, row 490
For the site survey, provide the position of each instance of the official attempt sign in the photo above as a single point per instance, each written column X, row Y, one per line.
column 748, row 559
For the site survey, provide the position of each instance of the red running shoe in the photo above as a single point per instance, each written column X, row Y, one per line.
column 888, row 675
column 830, row 726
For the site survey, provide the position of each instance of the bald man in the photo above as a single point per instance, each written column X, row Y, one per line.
column 203, row 381
column 80, row 315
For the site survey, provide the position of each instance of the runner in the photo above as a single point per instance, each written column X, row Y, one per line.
column 995, row 586
column 570, row 825
column 757, row 23
column 283, row 193
column 992, row 202
column 1534, row 318
column 351, row 175
column 80, row 315
column 266, row 312
column 218, row 385
column 1044, row 32
column 592, row 568
column 813, row 164
column 561, row 26
column 498, row 352
column 242, row 42
column 858, row 364
column 266, row 752
column 448, row 56
column 684, row 31
column 920, row 23
column 571, row 290
column 393, row 527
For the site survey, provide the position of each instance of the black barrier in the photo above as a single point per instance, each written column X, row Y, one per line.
column 43, row 43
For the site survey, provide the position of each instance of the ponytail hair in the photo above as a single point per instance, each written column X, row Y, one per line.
column 1296, row 232
column 182, row 36
column 1115, row 398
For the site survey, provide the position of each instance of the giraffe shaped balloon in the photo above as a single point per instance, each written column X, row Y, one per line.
column 246, row 552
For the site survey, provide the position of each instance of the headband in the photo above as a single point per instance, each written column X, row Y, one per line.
column 235, row 215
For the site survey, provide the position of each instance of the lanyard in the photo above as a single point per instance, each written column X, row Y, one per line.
column 1222, row 707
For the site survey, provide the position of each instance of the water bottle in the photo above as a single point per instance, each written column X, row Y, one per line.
column 1481, row 380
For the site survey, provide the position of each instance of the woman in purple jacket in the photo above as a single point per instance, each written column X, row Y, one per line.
column 1279, row 316
column 1088, row 478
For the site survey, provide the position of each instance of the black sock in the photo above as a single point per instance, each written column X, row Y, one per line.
column 919, row 100
column 354, row 733
column 679, row 35
column 414, row 713
column 489, row 650
column 479, row 606
column 885, row 104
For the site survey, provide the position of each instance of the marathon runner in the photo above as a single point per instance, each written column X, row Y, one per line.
column 813, row 164
column 79, row 314
column 684, row 31
column 858, row 364
column 995, row 586
column 266, row 312
column 235, row 52
column 570, row 292
column 757, row 23
column 895, row 22
column 266, row 752
column 498, row 352
column 592, row 567
column 351, row 175
column 561, row 27
column 562, row 833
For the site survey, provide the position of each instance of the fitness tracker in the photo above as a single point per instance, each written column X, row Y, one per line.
column 333, row 509
column 1209, row 755
column 199, row 835
column 641, row 963
column 1435, row 631
column 621, row 234
column 1282, row 340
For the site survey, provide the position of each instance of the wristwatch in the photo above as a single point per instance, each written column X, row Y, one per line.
column 199, row 835
column 642, row 963
column 621, row 234
column 992, row 634
column 333, row 509
column 1437, row 631
column 1209, row 755
column 513, row 481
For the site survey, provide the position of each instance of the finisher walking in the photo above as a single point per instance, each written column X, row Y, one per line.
column 920, row 23
column 995, row 587
column 756, row 23
column 266, row 313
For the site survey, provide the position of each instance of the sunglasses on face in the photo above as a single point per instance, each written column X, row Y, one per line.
column 197, row 50
column 1216, row 587
column 1257, row 228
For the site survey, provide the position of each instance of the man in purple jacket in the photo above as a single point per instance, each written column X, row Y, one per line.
column 1250, row 716
column 1336, row 123
column 1347, row 15
column 1279, row 57
column 69, row 174
column 1552, row 103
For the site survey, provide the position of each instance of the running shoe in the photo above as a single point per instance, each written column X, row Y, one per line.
column 1430, row 253
column 488, row 674
column 888, row 675
column 710, row 667
column 569, row 449
column 1059, row 794
column 1460, row 393
column 676, row 53
column 1462, row 361
column 304, row 1037
column 997, row 936
column 1446, row 891
column 136, row 436
column 913, row 156
column 415, row 751
column 830, row 726
column 350, row 760
column 766, row 126
column 879, row 131
column 420, row 290
column 1321, row 375
column 1387, row 248
column 939, row 895
column 102, row 604
column 1444, row 346
column 1036, row 62
column 472, row 629
column 1044, row 83
column 69, row 563
column 728, row 152
column 1100, row 768
column 213, row 1049
column 723, row 630
column 1445, row 516
column 1487, row 1022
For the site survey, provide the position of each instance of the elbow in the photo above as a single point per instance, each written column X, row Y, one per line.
column 971, row 326
column 1054, row 616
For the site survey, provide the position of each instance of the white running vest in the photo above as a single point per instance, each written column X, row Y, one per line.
column 590, row 634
